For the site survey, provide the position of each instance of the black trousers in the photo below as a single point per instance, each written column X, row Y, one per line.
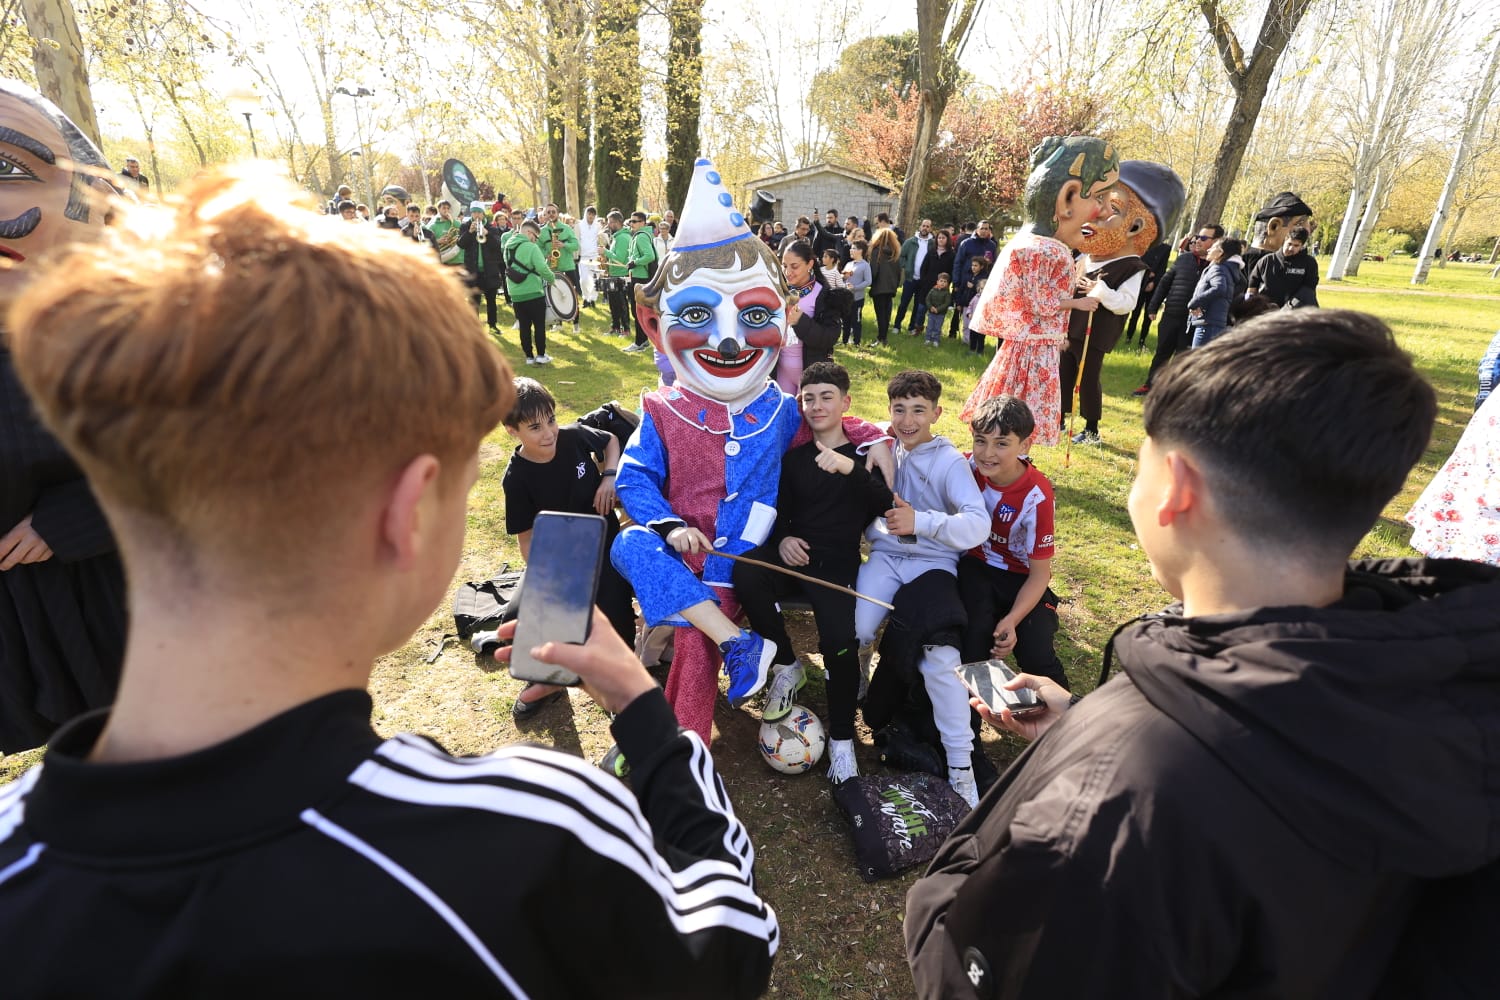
column 759, row 590
column 531, row 316
column 882, row 315
column 640, row 334
column 619, row 308
column 1139, row 315
column 909, row 291
column 614, row 600
column 478, row 289
column 854, row 323
column 988, row 594
column 1171, row 337
column 1090, row 391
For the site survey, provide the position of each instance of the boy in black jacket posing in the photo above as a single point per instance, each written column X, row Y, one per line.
column 288, row 509
column 1290, row 789
column 826, row 498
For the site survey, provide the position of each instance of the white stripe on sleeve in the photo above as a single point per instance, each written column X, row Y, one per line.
column 330, row 829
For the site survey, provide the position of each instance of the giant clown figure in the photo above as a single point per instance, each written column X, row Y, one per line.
column 700, row 475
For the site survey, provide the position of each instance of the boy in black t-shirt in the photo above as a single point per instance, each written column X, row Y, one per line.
column 558, row 468
column 826, row 498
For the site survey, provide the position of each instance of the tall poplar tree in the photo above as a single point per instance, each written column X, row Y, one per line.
column 684, row 95
column 617, row 105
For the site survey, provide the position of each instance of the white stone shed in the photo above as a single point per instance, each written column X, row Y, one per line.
column 823, row 186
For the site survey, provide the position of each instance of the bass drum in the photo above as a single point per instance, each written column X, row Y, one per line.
column 562, row 302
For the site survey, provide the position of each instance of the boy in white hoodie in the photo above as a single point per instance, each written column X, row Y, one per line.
column 938, row 515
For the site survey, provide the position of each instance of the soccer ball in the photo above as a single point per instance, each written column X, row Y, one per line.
column 793, row 743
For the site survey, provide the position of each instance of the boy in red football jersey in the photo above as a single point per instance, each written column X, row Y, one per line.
column 1004, row 581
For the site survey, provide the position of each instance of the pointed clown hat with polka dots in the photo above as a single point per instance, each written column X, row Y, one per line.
column 709, row 218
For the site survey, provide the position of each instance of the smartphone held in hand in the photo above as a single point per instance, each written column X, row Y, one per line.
column 558, row 591
column 986, row 681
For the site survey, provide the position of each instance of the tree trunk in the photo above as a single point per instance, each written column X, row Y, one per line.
column 1378, row 192
column 1478, row 104
column 684, row 95
column 1250, row 81
column 1452, row 237
column 915, row 183
column 58, row 57
column 941, row 35
column 556, row 132
column 617, row 123
column 570, row 192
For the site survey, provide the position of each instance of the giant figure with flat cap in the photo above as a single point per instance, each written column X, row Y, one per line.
column 1274, row 222
column 62, row 591
column 1142, row 209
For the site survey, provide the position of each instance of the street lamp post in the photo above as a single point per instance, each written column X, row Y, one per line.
column 354, row 96
column 245, row 102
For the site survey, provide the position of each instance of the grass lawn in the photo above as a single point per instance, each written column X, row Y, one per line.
column 1396, row 272
column 841, row 937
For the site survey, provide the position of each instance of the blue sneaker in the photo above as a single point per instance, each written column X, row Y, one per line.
column 747, row 659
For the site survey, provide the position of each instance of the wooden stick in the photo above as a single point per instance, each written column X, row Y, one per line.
column 803, row 576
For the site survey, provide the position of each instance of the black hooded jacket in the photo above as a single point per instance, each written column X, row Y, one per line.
column 1176, row 286
column 1257, row 808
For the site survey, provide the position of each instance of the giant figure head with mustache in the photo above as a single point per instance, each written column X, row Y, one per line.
column 52, row 179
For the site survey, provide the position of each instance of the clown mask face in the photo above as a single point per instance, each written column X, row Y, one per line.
column 39, row 208
column 722, row 330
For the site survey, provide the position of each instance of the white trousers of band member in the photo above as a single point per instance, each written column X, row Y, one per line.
column 588, row 289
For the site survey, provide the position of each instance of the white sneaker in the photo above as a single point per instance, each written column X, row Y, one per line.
column 544, row 359
column 786, row 681
column 962, row 780
column 575, row 329
column 531, row 361
column 841, row 764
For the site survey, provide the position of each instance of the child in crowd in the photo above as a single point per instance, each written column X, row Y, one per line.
column 938, row 301
column 830, row 267
column 1221, row 283
column 974, row 338
column 1004, row 581
column 825, row 500
column 938, row 515
column 857, row 277
column 569, row 469
column 965, row 291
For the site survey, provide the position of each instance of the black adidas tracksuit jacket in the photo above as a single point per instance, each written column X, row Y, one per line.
column 309, row 858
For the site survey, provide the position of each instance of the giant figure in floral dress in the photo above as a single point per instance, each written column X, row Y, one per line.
column 1029, row 294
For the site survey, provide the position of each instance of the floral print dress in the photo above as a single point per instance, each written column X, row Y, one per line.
column 1022, row 304
column 1458, row 515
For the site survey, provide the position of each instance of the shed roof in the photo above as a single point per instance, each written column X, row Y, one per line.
column 821, row 168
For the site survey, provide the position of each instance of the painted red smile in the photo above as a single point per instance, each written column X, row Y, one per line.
column 14, row 255
column 715, row 364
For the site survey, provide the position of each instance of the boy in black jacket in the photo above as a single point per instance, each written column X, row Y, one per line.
column 825, row 500
column 1290, row 790
column 289, row 507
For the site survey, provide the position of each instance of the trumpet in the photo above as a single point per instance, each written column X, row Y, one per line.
column 481, row 231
